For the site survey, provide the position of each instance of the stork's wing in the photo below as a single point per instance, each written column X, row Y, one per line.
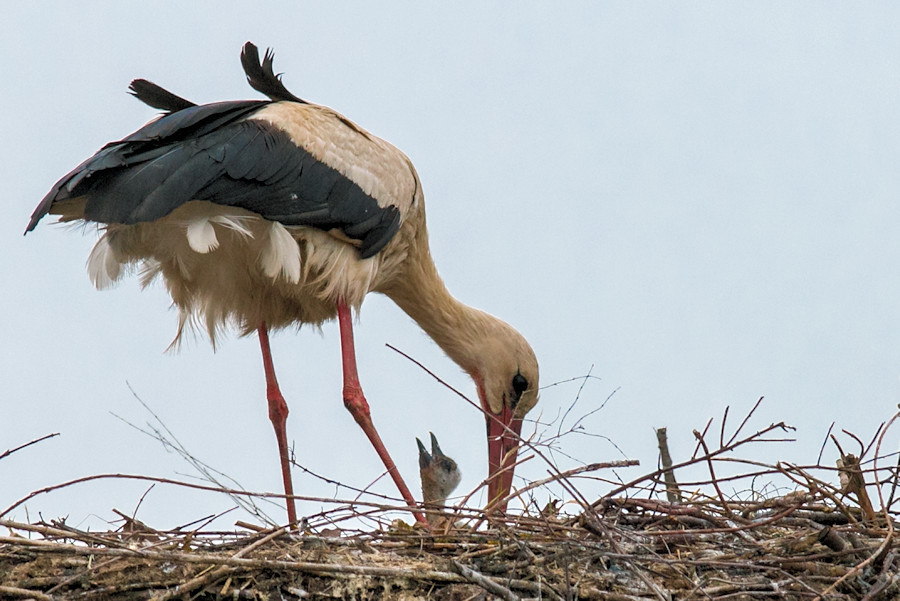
column 211, row 152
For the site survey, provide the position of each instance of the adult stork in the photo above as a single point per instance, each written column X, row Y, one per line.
column 268, row 213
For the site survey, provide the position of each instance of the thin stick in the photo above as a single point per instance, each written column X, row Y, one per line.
column 228, row 491
column 27, row 444
column 825, row 442
column 746, row 419
column 656, row 474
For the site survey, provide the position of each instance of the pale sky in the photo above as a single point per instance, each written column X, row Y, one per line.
column 701, row 201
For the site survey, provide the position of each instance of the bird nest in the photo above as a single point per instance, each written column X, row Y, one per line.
column 649, row 538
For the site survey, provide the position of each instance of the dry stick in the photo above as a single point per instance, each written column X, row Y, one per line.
column 895, row 480
column 66, row 533
column 241, row 562
column 484, row 582
column 213, row 575
column 848, row 465
column 339, row 484
column 208, row 576
column 592, row 467
column 746, row 419
column 712, row 476
column 705, row 430
column 886, row 544
column 167, row 438
column 206, row 520
column 593, row 524
column 722, row 428
column 229, row 491
column 460, row 505
column 567, row 380
column 656, row 474
column 862, row 446
column 27, row 444
column 817, row 486
column 132, row 525
column 884, row 579
column 80, row 575
column 869, row 446
column 673, row 494
column 575, row 402
column 824, row 443
column 14, row 591
column 736, row 529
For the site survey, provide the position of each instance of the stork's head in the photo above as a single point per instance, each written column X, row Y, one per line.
column 440, row 474
column 507, row 380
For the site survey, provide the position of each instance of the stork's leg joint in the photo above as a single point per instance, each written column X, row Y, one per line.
column 278, row 409
column 356, row 404
column 278, row 412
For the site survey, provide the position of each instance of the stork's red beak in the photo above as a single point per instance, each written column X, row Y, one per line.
column 503, row 444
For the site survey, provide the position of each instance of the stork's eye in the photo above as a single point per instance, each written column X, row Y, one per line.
column 519, row 385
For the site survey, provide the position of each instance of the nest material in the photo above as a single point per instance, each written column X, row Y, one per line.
column 822, row 540
column 794, row 547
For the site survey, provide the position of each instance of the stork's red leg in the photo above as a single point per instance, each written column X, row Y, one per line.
column 356, row 404
column 278, row 412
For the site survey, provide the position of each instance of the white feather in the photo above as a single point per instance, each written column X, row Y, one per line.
column 201, row 235
column 235, row 223
column 281, row 255
column 102, row 266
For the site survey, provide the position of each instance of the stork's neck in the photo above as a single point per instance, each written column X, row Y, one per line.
column 454, row 326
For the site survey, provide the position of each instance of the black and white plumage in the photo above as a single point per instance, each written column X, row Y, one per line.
column 264, row 214
column 261, row 166
column 216, row 153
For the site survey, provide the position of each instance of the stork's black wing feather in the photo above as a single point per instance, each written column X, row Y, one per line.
column 211, row 152
column 159, row 98
column 262, row 77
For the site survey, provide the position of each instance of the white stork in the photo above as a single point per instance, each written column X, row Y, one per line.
column 268, row 213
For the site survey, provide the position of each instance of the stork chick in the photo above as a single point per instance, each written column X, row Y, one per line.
column 440, row 476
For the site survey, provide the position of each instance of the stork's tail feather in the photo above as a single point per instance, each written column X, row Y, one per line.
column 159, row 98
column 261, row 75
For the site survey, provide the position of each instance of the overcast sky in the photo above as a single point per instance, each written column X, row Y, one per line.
column 701, row 201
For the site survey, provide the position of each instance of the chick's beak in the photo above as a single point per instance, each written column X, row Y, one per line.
column 503, row 432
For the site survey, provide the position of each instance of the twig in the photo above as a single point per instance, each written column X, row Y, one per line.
column 14, row 591
column 656, row 474
column 824, row 443
column 575, row 402
column 746, row 419
column 167, row 438
column 486, row 583
column 229, row 491
column 218, row 573
column 27, row 444
column 712, row 474
column 593, row 467
column 885, row 546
